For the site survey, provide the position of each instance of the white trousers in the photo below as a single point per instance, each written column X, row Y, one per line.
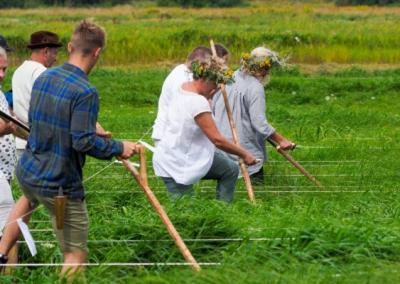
column 6, row 202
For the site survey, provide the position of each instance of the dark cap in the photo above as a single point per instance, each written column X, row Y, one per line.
column 4, row 44
column 44, row 39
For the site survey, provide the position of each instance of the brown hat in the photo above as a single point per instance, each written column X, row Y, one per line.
column 44, row 39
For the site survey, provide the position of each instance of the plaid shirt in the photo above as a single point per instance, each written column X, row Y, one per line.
column 62, row 117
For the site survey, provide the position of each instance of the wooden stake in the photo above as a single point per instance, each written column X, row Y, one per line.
column 163, row 215
column 295, row 164
column 235, row 136
column 143, row 167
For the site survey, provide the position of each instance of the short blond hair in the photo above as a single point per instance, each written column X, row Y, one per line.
column 87, row 37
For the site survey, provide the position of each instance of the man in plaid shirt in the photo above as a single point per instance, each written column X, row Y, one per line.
column 62, row 116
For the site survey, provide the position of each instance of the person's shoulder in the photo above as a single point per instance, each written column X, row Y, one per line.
column 27, row 68
column 71, row 74
column 31, row 66
column 252, row 83
column 180, row 70
column 196, row 100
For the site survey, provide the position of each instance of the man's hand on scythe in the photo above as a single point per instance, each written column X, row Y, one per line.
column 129, row 149
column 282, row 142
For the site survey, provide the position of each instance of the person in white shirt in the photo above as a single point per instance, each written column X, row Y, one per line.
column 186, row 153
column 44, row 46
column 173, row 82
column 246, row 98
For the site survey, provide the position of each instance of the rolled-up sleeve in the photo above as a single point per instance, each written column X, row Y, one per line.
column 83, row 129
column 255, row 100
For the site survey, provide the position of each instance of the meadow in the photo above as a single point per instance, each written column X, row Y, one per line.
column 154, row 35
column 345, row 121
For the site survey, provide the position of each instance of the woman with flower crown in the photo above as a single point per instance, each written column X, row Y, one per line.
column 247, row 100
column 173, row 82
column 186, row 153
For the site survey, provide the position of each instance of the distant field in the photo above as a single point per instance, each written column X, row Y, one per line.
column 310, row 33
column 347, row 126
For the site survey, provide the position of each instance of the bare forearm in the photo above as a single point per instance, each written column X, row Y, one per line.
column 226, row 146
column 276, row 137
column 283, row 143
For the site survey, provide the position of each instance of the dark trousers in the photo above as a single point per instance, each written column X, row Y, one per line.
column 258, row 177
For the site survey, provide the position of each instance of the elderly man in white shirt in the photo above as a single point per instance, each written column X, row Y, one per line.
column 179, row 75
column 247, row 100
column 44, row 47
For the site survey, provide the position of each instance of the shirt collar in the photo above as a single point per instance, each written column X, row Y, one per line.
column 75, row 69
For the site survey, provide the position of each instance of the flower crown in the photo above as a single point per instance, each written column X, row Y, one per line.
column 213, row 70
column 253, row 64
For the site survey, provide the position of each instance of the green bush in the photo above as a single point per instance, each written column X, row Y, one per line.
column 366, row 2
column 198, row 4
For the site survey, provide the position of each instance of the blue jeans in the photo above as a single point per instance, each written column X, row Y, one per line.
column 223, row 169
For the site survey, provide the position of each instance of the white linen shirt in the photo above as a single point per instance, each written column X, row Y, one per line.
column 185, row 153
column 22, row 83
column 179, row 75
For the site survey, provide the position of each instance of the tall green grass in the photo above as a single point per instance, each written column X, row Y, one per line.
column 331, row 237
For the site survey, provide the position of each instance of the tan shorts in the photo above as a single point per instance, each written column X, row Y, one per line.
column 73, row 237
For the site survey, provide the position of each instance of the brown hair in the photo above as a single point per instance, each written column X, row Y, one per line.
column 221, row 50
column 87, row 37
column 199, row 53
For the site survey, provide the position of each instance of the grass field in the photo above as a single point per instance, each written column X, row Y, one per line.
column 346, row 122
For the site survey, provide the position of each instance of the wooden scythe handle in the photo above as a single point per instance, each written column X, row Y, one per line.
column 236, row 140
column 235, row 136
column 295, row 164
column 160, row 211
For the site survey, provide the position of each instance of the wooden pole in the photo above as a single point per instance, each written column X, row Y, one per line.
column 163, row 215
column 143, row 167
column 235, row 136
column 236, row 140
column 295, row 164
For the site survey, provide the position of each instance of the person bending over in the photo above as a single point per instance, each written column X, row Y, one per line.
column 179, row 75
column 186, row 153
column 247, row 100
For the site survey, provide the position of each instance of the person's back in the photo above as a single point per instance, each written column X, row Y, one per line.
column 171, row 86
column 22, row 83
column 55, row 145
column 44, row 47
column 173, row 83
column 246, row 99
column 186, row 138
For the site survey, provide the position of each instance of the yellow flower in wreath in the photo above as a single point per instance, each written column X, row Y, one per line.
column 246, row 56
